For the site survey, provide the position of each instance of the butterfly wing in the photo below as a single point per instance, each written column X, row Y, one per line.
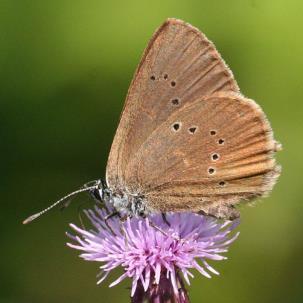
column 207, row 156
column 178, row 66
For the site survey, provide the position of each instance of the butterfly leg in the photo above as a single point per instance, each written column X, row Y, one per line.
column 65, row 204
column 158, row 228
column 165, row 233
column 80, row 219
column 111, row 215
column 165, row 219
column 108, row 217
column 79, row 214
column 122, row 221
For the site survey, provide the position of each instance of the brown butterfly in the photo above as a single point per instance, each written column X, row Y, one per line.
column 187, row 140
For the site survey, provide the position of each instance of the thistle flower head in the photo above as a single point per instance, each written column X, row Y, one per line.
column 152, row 250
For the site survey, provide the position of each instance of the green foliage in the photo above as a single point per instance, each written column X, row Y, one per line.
column 65, row 67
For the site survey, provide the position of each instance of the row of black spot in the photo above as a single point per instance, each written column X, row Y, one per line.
column 177, row 125
column 165, row 77
column 216, row 156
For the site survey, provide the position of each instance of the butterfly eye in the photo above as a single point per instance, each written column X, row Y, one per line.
column 221, row 141
column 173, row 83
column 152, row 78
column 222, row 183
column 211, row 170
column 213, row 132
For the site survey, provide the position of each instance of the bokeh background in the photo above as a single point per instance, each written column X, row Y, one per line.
column 65, row 67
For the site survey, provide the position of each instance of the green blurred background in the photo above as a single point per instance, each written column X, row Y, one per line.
column 65, row 67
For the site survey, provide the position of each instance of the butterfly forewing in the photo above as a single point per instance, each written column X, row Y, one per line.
column 179, row 65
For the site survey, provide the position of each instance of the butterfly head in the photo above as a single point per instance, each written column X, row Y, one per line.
column 99, row 191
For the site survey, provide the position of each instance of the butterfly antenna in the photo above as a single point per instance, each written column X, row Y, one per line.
column 35, row 216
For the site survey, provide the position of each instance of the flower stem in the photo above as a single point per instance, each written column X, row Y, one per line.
column 162, row 292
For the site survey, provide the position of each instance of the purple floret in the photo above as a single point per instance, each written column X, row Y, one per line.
column 150, row 249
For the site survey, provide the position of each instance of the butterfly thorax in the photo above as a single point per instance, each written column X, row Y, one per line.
column 129, row 204
column 132, row 205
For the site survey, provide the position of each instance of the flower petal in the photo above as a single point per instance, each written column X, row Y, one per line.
column 145, row 253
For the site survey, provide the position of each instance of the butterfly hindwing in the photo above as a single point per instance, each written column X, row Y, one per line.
column 179, row 65
column 212, row 152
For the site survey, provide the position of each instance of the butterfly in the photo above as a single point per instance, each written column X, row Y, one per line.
column 187, row 139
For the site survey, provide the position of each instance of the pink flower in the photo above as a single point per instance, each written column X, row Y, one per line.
column 157, row 256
